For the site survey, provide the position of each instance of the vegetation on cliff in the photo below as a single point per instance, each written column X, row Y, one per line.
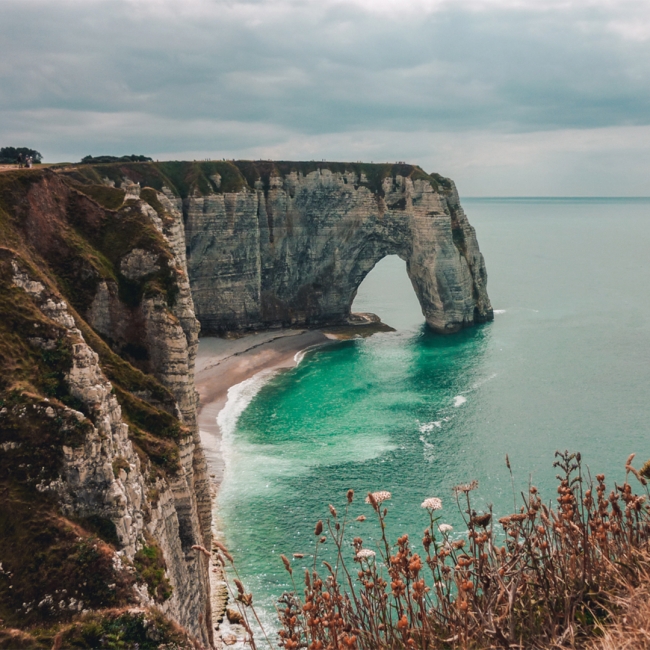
column 61, row 582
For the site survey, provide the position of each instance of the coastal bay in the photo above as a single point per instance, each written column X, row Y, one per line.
column 223, row 363
column 564, row 365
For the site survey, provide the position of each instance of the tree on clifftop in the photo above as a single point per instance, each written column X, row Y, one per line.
column 9, row 155
column 95, row 160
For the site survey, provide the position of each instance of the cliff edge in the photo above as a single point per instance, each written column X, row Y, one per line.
column 104, row 488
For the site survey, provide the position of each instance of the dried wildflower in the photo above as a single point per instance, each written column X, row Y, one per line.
column 220, row 546
column 464, row 488
column 645, row 469
column 350, row 495
column 333, row 511
column 361, row 518
column 481, row 520
column 445, row 528
column 319, row 528
column 365, row 554
column 202, row 549
column 432, row 503
column 378, row 497
column 287, row 564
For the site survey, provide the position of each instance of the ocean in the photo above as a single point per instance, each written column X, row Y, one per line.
column 564, row 365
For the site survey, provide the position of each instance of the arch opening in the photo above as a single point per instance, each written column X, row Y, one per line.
column 388, row 292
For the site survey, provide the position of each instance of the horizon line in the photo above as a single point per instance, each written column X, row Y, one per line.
column 556, row 198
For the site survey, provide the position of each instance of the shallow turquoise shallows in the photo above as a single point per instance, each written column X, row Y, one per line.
column 564, row 365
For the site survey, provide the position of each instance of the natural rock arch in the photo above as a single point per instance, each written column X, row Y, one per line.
column 293, row 250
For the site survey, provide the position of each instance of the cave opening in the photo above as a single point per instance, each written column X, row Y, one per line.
column 387, row 291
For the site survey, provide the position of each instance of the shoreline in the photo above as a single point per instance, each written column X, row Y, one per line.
column 220, row 365
column 224, row 363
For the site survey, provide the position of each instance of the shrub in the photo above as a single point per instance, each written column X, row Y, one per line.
column 545, row 576
column 151, row 567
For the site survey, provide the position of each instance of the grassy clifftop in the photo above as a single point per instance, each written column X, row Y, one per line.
column 205, row 177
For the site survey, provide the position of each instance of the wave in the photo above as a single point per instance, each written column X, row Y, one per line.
column 242, row 394
column 459, row 400
column 239, row 397
column 430, row 426
column 479, row 383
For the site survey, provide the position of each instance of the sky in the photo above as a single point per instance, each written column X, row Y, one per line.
column 507, row 97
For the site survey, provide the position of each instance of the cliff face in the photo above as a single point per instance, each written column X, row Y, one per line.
column 293, row 245
column 97, row 353
column 104, row 269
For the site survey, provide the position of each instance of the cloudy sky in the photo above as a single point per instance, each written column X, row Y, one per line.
column 508, row 97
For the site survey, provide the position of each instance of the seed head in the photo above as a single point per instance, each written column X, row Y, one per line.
column 432, row 503
column 465, row 487
column 445, row 528
column 378, row 497
column 365, row 554
column 287, row 564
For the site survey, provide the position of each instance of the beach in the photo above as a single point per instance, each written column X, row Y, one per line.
column 224, row 363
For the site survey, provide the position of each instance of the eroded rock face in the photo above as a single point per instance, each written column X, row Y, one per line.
column 105, row 476
column 294, row 250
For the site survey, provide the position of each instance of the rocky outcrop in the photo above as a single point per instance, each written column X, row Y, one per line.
column 105, row 477
column 135, row 460
column 293, row 246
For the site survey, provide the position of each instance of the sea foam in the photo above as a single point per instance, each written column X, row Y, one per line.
column 430, row 426
column 459, row 400
column 239, row 397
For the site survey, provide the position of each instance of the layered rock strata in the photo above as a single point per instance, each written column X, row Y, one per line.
column 126, row 271
column 293, row 248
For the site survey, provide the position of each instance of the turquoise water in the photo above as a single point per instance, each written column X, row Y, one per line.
column 565, row 364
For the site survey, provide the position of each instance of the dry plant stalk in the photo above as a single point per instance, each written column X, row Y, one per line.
column 545, row 577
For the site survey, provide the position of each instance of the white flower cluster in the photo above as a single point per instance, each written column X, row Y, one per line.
column 432, row 503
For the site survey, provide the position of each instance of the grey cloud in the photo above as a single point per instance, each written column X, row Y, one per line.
column 309, row 69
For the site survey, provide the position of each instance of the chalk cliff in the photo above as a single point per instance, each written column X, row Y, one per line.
column 97, row 352
column 105, row 273
column 292, row 246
